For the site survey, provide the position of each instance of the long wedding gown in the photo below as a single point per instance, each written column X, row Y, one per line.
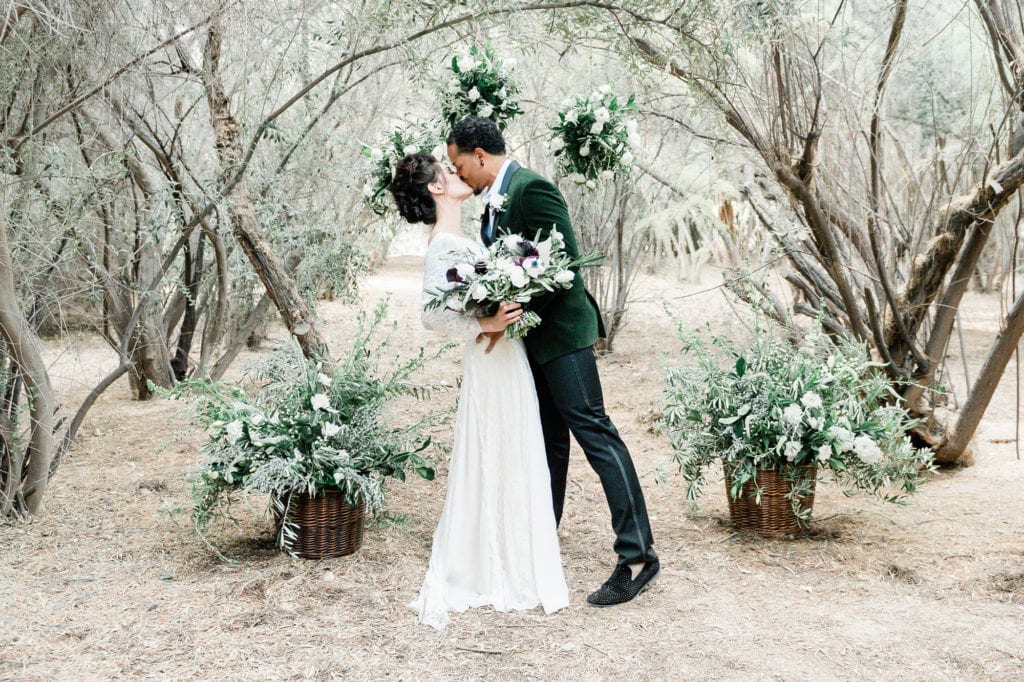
column 496, row 543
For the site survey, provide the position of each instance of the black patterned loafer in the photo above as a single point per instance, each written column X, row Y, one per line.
column 621, row 587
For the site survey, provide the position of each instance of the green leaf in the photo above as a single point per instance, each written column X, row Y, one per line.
column 741, row 366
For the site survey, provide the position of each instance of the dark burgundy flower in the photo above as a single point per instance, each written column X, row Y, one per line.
column 529, row 249
column 480, row 268
column 453, row 276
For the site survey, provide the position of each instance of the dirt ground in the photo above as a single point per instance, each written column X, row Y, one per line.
column 111, row 583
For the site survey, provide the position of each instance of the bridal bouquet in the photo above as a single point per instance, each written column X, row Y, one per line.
column 515, row 269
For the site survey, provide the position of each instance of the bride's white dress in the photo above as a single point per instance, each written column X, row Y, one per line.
column 496, row 543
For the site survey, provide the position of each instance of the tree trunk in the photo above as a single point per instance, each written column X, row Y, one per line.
column 954, row 449
column 245, row 225
column 25, row 351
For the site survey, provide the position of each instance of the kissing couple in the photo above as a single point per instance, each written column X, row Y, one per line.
column 496, row 543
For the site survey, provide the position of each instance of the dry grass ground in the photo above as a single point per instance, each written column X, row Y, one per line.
column 111, row 583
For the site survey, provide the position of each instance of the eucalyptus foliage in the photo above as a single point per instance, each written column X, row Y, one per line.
column 307, row 427
column 776, row 406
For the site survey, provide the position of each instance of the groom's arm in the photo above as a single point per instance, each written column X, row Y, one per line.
column 544, row 209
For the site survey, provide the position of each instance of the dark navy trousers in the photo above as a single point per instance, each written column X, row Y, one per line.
column 571, row 401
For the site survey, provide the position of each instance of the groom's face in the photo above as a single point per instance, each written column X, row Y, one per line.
column 471, row 168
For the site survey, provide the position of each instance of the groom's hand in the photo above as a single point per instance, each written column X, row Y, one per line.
column 492, row 339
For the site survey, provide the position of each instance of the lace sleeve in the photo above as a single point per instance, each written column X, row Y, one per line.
column 443, row 320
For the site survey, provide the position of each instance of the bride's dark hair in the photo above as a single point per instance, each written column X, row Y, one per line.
column 409, row 188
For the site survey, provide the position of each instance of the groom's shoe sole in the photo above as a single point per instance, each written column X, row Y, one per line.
column 650, row 582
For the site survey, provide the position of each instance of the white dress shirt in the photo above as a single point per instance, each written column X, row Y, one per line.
column 494, row 188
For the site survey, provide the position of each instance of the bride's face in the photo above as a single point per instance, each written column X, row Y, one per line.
column 452, row 185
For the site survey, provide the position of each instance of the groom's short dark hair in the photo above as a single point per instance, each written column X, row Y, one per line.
column 475, row 131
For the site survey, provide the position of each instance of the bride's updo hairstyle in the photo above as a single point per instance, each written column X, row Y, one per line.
column 409, row 188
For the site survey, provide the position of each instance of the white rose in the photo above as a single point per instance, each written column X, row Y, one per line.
column 565, row 276
column 465, row 270
column 811, row 400
column 505, row 264
column 478, row 292
column 824, row 453
column 843, row 438
column 602, row 115
column 792, row 414
column 497, row 202
column 512, row 242
column 604, row 89
column 368, row 189
column 330, row 429
column 257, row 419
column 376, row 154
column 585, row 151
column 467, row 63
column 572, row 116
column 867, row 450
column 518, row 277
column 607, row 175
column 793, row 450
column 323, row 379
column 591, row 184
column 233, row 431
column 485, row 111
column 597, row 128
column 410, row 149
column 577, row 178
column 473, row 94
column 557, row 144
column 320, row 401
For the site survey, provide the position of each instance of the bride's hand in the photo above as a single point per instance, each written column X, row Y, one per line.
column 508, row 313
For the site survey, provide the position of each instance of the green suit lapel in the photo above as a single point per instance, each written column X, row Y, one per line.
column 504, row 189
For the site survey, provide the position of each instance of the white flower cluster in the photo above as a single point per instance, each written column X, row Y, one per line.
column 382, row 160
column 480, row 84
column 593, row 137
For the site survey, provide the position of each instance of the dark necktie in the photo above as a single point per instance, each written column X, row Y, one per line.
column 486, row 235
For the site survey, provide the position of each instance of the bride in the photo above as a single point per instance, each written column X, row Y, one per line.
column 495, row 543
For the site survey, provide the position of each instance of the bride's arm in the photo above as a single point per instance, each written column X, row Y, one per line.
column 444, row 320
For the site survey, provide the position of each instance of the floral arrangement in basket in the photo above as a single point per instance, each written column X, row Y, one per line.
column 306, row 428
column 593, row 136
column 515, row 269
column 480, row 84
column 382, row 159
column 822, row 404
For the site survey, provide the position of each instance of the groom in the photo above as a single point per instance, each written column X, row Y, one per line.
column 561, row 354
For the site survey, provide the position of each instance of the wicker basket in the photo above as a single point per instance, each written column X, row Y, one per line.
column 327, row 525
column 774, row 516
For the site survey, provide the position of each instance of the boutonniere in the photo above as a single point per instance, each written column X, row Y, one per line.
column 497, row 203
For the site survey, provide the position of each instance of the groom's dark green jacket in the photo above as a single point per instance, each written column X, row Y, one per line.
column 570, row 319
